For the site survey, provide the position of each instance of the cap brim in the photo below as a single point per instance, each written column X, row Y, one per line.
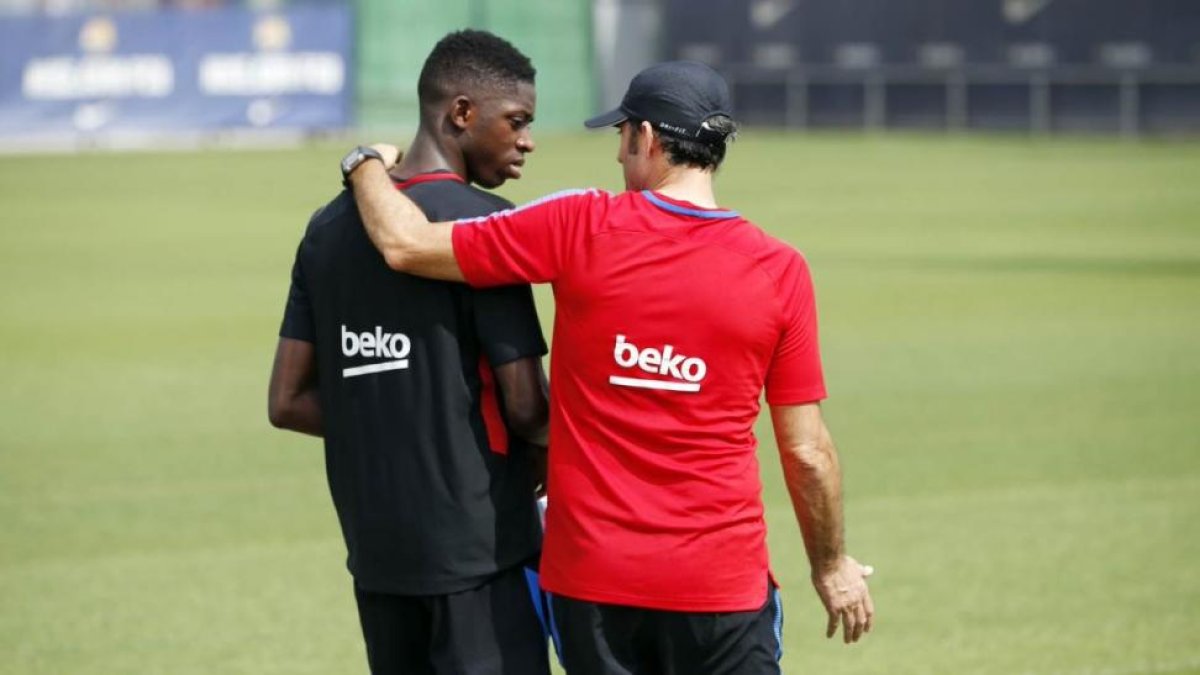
column 609, row 119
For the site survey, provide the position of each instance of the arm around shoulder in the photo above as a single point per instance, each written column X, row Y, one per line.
column 399, row 229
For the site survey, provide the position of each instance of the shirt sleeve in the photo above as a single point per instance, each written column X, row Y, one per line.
column 506, row 323
column 297, row 314
column 528, row 244
column 795, row 375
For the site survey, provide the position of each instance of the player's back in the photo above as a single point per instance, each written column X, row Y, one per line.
column 427, row 499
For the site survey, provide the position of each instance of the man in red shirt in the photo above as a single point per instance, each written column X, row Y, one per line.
column 673, row 315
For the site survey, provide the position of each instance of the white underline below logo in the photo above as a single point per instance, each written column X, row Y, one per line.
column 653, row 384
column 375, row 368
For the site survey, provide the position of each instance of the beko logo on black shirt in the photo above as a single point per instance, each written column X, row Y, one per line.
column 377, row 345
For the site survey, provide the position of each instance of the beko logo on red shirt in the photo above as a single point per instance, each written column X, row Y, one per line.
column 378, row 345
column 686, row 372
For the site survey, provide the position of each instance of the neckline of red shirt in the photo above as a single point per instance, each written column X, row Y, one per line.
column 686, row 208
column 427, row 178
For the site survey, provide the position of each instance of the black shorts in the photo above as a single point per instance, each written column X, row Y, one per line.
column 599, row 639
column 490, row 630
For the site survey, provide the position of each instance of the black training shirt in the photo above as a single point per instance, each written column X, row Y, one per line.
column 427, row 504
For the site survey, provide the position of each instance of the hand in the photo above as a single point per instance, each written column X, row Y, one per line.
column 843, row 590
column 390, row 153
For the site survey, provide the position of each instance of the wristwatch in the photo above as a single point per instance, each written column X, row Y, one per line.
column 355, row 157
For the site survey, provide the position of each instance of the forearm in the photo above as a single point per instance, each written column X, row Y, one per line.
column 526, row 397
column 815, row 485
column 539, row 459
column 526, row 393
column 530, row 418
column 300, row 412
column 399, row 229
column 294, row 394
column 814, row 481
column 539, row 436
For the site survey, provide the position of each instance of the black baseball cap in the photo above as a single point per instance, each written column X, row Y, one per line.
column 676, row 98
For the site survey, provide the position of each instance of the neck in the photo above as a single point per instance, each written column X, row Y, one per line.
column 429, row 152
column 687, row 184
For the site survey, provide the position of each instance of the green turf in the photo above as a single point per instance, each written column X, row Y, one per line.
column 1011, row 332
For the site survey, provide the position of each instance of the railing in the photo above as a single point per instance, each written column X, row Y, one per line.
column 790, row 97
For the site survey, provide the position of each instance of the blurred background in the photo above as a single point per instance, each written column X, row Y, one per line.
column 998, row 199
column 100, row 71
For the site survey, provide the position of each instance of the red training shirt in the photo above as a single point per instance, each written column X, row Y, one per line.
column 671, row 319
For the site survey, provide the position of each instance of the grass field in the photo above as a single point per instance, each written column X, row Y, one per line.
column 1011, row 332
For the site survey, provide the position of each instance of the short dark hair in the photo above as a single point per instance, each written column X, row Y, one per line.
column 467, row 59
column 697, row 154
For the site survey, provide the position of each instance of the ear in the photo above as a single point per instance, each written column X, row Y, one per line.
column 462, row 112
column 647, row 139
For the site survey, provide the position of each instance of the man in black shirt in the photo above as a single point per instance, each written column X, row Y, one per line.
column 431, row 468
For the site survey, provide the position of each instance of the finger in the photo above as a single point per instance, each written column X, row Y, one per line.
column 860, row 624
column 832, row 627
column 870, row 612
column 848, row 621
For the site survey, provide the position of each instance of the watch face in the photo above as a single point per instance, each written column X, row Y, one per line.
column 351, row 160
